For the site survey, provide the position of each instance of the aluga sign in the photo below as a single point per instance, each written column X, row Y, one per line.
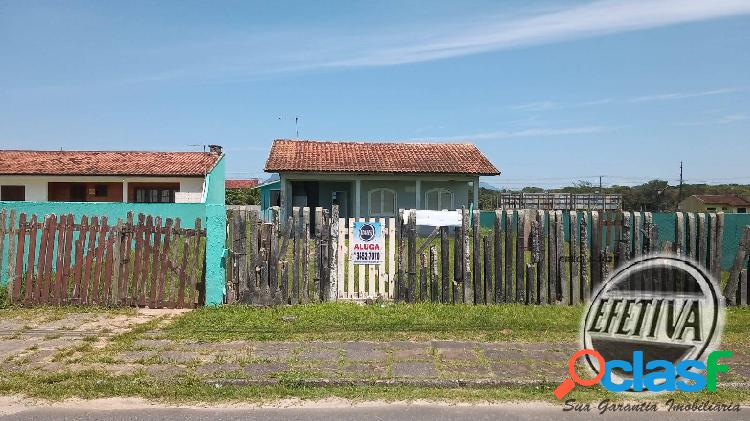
column 368, row 244
column 655, row 325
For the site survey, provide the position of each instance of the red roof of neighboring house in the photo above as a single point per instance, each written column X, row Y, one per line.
column 370, row 157
column 160, row 164
column 241, row 184
column 723, row 199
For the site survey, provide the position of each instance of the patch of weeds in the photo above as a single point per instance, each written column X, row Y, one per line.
column 71, row 351
column 89, row 339
column 52, row 336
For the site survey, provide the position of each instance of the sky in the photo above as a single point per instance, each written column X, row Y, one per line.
column 552, row 92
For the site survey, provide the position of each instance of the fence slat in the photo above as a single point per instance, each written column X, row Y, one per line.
column 423, row 277
column 412, row 255
column 116, row 246
column 48, row 278
column 305, row 293
column 730, row 290
column 585, row 264
column 554, row 257
column 391, row 257
column 575, row 285
column 489, row 294
column 18, row 267
column 702, row 239
column 12, row 231
column 3, row 217
column 743, row 288
column 60, row 267
column 99, row 256
column 541, row 278
column 112, row 261
column 521, row 236
column 125, row 245
column 182, row 274
column 41, row 272
column 296, row 251
column 498, row 293
column 509, row 230
column 476, row 249
column 163, row 288
column 595, row 250
column 434, row 289
column 371, row 274
column 563, row 285
column 30, row 263
column 716, row 267
column 341, row 256
column 458, row 258
column 466, row 264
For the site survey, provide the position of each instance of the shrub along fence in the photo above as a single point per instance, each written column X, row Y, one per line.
column 530, row 256
column 60, row 260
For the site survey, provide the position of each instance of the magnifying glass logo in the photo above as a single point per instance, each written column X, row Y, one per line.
column 568, row 384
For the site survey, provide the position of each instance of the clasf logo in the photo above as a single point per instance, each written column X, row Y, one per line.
column 654, row 376
column 654, row 325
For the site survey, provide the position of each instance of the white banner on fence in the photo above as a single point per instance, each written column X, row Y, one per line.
column 368, row 245
column 438, row 218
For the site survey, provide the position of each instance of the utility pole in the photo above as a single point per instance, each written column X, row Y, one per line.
column 679, row 193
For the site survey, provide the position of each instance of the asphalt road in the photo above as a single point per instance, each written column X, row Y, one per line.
column 380, row 412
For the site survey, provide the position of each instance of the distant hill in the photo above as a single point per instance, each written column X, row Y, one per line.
column 488, row 186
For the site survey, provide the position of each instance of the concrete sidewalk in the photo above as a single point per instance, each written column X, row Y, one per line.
column 82, row 341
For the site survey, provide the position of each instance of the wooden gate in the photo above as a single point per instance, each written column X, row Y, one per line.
column 54, row 260
column 362, row 282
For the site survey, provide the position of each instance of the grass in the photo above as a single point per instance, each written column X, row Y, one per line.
column 347, row 321
column 93, row 384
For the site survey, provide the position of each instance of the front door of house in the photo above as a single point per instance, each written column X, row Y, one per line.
column 340, row 198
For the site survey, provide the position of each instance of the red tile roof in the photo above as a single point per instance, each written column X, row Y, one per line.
column 723, row 199
column 241, row 184
column 158, row 164
column 325, row 156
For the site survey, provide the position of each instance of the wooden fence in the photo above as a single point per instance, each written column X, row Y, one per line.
column 55, row 260
column 530, row 256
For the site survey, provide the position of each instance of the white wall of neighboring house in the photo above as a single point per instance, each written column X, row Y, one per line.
column 36, row 186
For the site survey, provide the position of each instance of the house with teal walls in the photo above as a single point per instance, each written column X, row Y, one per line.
column 185, row 185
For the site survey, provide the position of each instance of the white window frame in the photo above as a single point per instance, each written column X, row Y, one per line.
column 440, row 191
column 380, row 190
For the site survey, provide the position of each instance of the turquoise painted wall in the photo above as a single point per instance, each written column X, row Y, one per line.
column 216, row 234
column 212, row 215
column 665, row 223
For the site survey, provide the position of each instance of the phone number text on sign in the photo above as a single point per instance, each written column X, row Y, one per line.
column 368, row 245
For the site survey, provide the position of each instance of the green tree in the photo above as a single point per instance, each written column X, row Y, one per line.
column 243, row 197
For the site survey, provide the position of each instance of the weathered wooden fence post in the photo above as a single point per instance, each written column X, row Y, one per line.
column 489, row 294
column 536, row 251
column 466, row 248
column 730, row 290
column 476, row 249
column 563, row 284
column 423, row 277
column 585, row 268
column 542, row 279
column 412, row 255
column 305, row 293
column 521, row 257
column 575, row 285
column 434, row 290
column 458, row 259
column 595, row 250
column 333, row 270
column 445, row 281
column 499, row 296
column 509, row 278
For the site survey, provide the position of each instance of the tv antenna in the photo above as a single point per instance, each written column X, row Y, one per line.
column 296, row 124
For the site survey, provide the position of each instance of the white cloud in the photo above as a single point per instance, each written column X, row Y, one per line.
column 587, row 20
column 507, row 134
column 683, row 95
